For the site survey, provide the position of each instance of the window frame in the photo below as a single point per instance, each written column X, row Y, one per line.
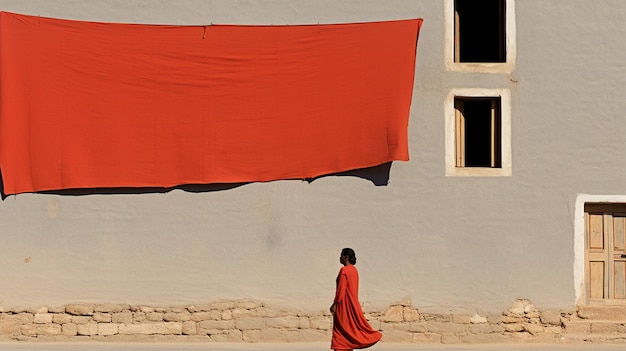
column 451, row 46
column 452, row 133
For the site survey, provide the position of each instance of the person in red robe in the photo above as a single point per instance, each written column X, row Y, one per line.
column 350, row 328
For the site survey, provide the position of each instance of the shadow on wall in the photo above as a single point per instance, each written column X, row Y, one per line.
column 378, row 175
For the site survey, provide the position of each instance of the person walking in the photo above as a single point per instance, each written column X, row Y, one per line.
column 350, row 328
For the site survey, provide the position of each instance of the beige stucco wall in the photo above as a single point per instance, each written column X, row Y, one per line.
column 442, row 242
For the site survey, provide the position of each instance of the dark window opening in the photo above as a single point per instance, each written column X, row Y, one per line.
column 480, row 34
column 478, row 132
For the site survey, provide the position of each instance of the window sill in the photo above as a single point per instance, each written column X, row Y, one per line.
column 478, row 172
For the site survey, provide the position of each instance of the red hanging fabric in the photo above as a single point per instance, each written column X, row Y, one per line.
column 96, row 105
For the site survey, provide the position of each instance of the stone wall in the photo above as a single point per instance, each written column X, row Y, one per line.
column 253, row 321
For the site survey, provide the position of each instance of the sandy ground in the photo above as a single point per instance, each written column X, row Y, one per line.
column 35, row 346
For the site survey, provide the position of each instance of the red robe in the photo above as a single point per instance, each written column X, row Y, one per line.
column 350, row 328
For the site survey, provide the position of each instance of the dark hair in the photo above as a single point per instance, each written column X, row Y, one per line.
column 350, row 253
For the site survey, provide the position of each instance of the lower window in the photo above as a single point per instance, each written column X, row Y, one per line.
column 478, row 133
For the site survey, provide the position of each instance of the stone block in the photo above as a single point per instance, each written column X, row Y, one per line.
column 446, row 328
column 426, row 338
column 42, row 310
column 533, row 329
column 514, row 327
column 139, row 316
column 410, row 314
column 478, row 319
column 251, row 335
column 146, row 309
column 250, row 323
column 9, row 327
column 497, row 328
column 304, row 323
column 79, row 309
column 267, row 312
column 322, row 323
column 21, row 318
column 69, row 329
column 577, row 327
column 394, row 314
column 227, row 314
column 189, row 328
column 177, row 317
column 513, row 319
column 450, row 339
column 376, row 324
column 394, row 326
column 520, row 307
column 102, row 317
column 551, row 317
column 154, row 316
column 247, row 304
column 81, row 319
column 481, row 329
column 90, row 328
column 222, row 305
column 57, row 309
column 228, row 336
column 122, row 317
column 397, row 336
column 42, row 318
column 533, row 315
column 61, row 318
column 108, row 329
column 461, row 319
column 205, row 316
column 162, row 328
column 240, row 313
column 484, row 339
column 279, row 335
column 40, row 329
column 437, row 317
column 606, row 328
column 219, row 325
column 110, row 308
column 613, row 313
column 313, row 335
column 418, row 327
column 283, row 322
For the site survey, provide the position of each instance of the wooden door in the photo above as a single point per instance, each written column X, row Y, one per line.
column 605, row 241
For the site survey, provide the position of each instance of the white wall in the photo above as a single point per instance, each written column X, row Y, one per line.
column 443, row 242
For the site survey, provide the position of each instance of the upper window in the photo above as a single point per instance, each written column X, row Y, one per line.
column 480, row 35
column 479, row 31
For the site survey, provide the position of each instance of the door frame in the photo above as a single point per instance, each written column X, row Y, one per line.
column 579, row 242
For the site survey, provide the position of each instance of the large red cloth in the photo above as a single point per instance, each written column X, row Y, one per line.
column 350, row 328
column 97, row 105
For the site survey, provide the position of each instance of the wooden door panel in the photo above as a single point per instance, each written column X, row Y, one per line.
column 618, row 232
column 596, row 231
column 619, row 290
column 596, row 280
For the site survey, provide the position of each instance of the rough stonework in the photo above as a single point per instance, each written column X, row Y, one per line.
column 252, row 322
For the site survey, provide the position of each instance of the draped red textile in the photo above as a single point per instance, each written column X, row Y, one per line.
column 96, row 105
column 350, row 328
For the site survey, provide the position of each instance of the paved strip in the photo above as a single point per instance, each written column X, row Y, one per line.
column 36, row 346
